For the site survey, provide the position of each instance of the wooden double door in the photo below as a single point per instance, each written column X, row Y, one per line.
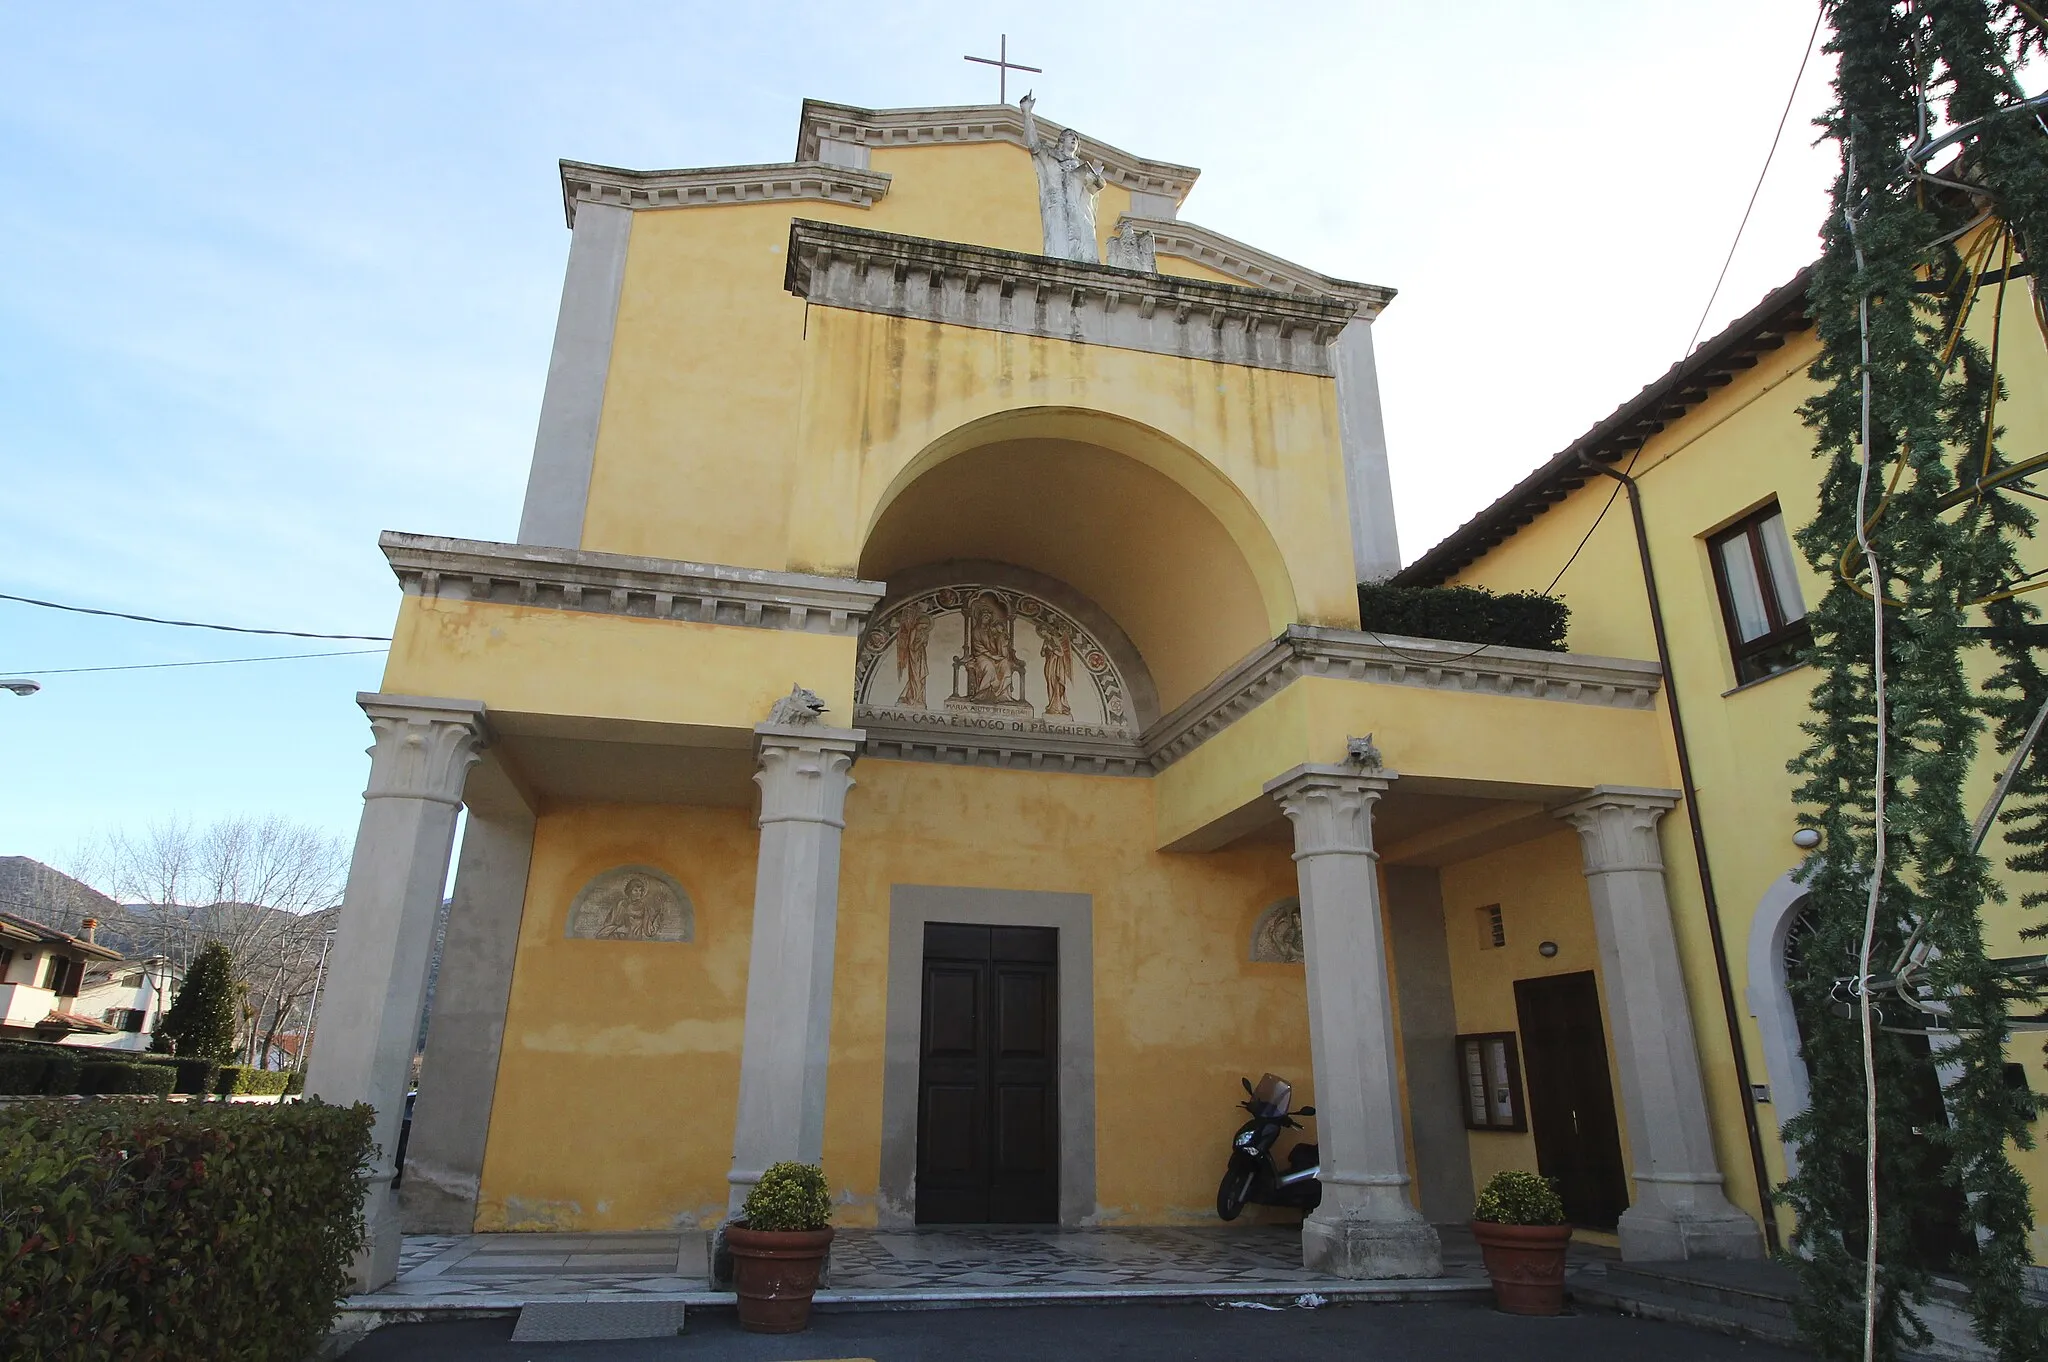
column 1571, row 1100
column 988, row 1076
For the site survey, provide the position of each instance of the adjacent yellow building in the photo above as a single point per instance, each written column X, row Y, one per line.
column 922, row 724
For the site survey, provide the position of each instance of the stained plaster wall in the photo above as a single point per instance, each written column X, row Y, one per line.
column 1742, row 447
column 620, row 1064
column 1542, row 895
column 741, row 426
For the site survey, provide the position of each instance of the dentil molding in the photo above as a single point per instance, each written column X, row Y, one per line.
column 625, row 584
column 1030, row 295
column 584, row 183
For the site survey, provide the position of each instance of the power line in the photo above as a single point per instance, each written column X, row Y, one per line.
column 1791, row 97
column 1819, row 14
column 195, row 624
column 210, row 662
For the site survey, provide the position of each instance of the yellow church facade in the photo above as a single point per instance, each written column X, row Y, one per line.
column 922, row 726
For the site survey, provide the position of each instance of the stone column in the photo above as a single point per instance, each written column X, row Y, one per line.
column 376, row 979
column 451, row 1120
column 1679, row 1209
column 804, row 776
column 1365, row 1228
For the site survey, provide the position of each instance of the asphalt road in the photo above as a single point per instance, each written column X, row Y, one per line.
column 1139, row 1333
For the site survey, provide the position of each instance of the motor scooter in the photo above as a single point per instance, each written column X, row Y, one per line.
column 1252, row 1176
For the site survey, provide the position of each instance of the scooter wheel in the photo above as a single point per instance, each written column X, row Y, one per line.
column 1232, row 1192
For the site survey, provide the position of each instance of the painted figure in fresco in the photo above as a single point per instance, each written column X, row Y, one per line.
column 1067, row 186
column 1056, row 646
column 632, row 903
column 632, row 915
column 1277, row 939
column 991, row 659
column 913, row 636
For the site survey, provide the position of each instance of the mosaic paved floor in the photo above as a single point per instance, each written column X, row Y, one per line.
column 969, row 1262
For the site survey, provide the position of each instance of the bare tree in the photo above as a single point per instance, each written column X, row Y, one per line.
column 265, row 888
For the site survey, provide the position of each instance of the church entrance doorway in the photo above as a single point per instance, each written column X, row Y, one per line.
column 988, row 1076
column 1571, row 1101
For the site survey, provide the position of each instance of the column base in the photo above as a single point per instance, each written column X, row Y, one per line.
column 1371, row 1250
column 376, row 1265
column 1667, row 1234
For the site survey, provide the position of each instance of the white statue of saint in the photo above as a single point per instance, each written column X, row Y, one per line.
column 1067, row 186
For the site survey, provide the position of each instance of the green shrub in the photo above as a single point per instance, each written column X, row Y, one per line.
column 62, row 1061
column 201, row 1019
column 240, row 1079
column 67, row 1070
column 21, row 1072
column 789, row 1196
column 1518, row 1198
column 1465, row 614
column 119, row 1076
column 296, row 1084
column 176, row 1233
column 194, row 1075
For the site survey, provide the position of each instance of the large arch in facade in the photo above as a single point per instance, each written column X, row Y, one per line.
column 1122, row 515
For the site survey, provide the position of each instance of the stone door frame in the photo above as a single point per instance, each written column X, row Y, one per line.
column 911, row 906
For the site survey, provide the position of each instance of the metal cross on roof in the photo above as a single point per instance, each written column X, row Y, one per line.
column 1004, row 66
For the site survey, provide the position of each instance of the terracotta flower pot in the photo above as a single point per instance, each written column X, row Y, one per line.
column 1526, row 1263
column 775, row 1273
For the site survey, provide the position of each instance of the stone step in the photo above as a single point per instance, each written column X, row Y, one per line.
column 1713, row 1315
column 1765, row 1294
column 579, row 1321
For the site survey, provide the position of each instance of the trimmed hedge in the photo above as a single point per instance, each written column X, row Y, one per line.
column 1465, row 614
column 295, row 1084
column 177, row 1233
column 238, row 1079
column 62, row 1062
column 22, row 1073
column 194, row 1075
column 113, row 1076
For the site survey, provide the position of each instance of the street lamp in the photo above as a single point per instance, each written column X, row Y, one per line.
column 313, row 1009
column 20, row 685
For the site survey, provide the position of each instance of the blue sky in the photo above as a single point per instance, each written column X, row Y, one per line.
column 276, row 277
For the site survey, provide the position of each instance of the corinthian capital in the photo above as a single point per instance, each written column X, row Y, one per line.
column 423, row 748
column 1330, row 807
column 1618, row 827
column 805, row 772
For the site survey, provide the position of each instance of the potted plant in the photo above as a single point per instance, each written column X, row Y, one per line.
column 778, row 1248
column 1519, row 1223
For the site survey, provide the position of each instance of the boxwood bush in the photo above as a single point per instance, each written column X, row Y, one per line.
column 789, row 1196
column 1514, row 1197
column 176, row 1233
column 1465, row 614
column 62, row 1063
column 240, row 1079
column 112, row 1076
column 194, row 1075
column 20, row 1072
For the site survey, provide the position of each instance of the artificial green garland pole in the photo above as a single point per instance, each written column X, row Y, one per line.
column 1903, row 421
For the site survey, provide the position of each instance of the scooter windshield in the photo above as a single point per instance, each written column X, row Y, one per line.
column 1273, row 1096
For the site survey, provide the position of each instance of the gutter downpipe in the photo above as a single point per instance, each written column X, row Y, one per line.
column 1766, row 1211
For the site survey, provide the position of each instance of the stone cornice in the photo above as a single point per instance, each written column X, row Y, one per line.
column 622, row 584
column 893, row 738
column 1252, row 266
column 977, row 123
column 1031, row 295
column 1305, row 650
column 815, row 180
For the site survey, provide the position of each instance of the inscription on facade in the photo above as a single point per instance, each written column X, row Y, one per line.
column 632, row 903
column 989, row 657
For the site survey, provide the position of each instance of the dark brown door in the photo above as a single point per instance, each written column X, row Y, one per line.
column 988, row 1077
column 1571, row 1102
